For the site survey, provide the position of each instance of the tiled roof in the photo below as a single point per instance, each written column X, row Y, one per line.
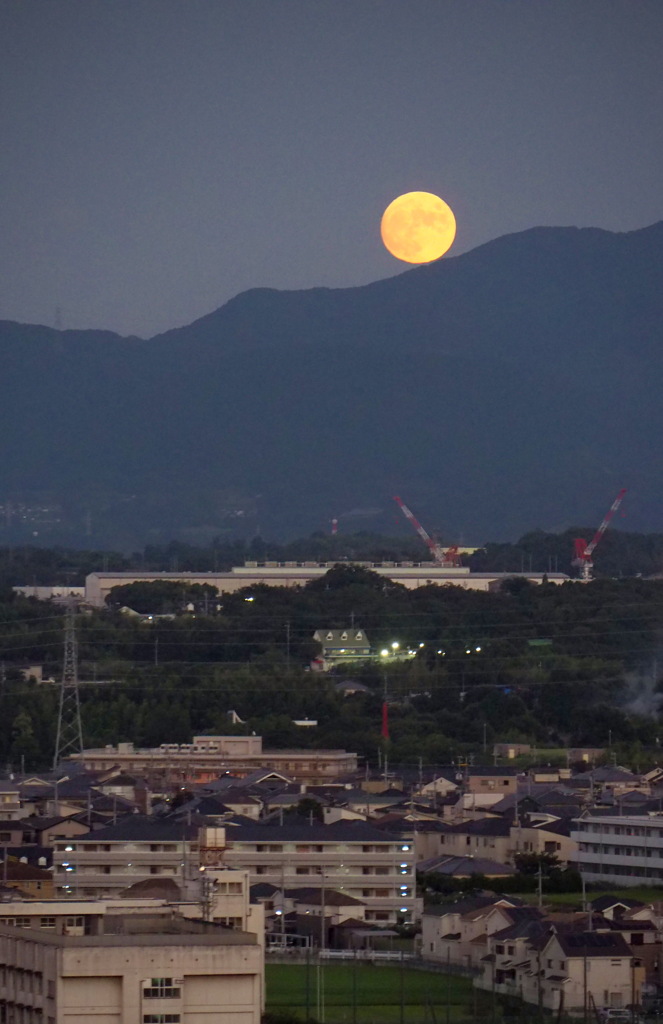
column 332, row 898
column 139, row 828
column 483, row 827
column 603, row 903
column 465, row 866
column 593, row 944
column 338, row 832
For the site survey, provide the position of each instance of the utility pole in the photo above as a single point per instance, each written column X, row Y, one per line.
column 287, row 645
column 69, row 736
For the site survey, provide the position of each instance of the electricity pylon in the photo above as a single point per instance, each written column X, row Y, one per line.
column 69, row 738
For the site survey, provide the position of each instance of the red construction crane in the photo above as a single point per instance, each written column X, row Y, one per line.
column 584, row 551
column 450, row 557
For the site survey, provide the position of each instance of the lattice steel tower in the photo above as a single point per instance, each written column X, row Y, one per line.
column 69, row 739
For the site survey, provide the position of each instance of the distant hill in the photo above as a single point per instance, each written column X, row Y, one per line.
column 517, row 386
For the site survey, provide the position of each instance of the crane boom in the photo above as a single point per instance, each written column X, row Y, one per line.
column 583, row 550
column 436, row 550
column 604, row 524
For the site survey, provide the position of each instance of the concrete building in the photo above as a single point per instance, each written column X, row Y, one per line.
column 350, row 857
column 98, row 585
column 209, row 756
column 136, row 968
column 108, row 860
column 621, row 850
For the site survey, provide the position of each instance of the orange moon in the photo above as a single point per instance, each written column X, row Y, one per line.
column 418, row 227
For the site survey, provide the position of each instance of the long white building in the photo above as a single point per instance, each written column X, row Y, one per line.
column 98, row 585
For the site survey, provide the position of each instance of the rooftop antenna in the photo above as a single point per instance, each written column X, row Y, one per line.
column 69, row 736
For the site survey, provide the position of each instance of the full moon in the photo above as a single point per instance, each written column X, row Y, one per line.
column 418, row 227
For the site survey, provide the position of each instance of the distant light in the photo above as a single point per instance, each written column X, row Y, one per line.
column 278, row 913
column 467, row 650
column 249, row 598
column 384, row 653
column 395, row 645
column 404, row 910
column 477, row 649
column 403, row 863
column 422, row 645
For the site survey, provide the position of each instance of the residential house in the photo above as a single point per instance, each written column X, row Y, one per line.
column 455, row 933
column 341, row 645
column 564, row 970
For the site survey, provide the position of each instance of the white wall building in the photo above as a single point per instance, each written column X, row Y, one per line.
column 98, row 585
column 131, row 969
column 620, row 849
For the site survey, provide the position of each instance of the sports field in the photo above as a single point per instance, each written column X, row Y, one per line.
column 367, row 994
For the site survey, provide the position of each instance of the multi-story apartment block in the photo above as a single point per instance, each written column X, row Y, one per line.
column 209, row 756
column 625, row 850
column 136, row 968
column 350, row 857
column 103, row 862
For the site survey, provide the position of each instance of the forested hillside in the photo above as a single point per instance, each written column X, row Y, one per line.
column 550, row 665
column 514, row 386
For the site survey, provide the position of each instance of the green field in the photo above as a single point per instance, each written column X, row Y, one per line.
column 367, row 994
column 571, row 900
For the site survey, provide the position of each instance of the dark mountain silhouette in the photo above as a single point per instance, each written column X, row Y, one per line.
column 514, row 387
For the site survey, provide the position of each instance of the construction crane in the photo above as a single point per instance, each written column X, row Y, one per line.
column 584, row 551
column 450, row 557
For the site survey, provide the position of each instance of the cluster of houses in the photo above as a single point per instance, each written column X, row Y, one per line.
column 325, row 855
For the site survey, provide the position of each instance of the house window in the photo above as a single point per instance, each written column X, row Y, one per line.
column 47, row 922
column 161, row 1018
column 161, row 988
column 637, row 939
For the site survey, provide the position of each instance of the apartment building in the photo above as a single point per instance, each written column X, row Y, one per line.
column 137, row 968
column 207, row 757
column 222, row 896
column 624, row 850
column 351, row 857
column 108, row 860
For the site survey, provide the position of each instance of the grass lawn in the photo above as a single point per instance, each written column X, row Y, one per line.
column 370, row 995
column 571, row 900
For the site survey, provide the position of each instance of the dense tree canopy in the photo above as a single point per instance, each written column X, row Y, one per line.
column 549, row 665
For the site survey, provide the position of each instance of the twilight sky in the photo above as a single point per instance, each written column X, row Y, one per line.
column 160, row 156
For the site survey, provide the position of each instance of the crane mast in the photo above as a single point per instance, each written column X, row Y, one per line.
column 584, row 551
column 440, row 556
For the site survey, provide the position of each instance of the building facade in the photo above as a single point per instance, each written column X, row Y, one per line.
column 207, row 757
column 131, row 969
column 352, row 858
column 98, row 585
column 622, row 850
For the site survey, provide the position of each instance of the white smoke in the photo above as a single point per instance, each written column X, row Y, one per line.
column 641, row 696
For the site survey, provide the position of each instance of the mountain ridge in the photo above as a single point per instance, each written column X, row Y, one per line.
column 511, row 387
